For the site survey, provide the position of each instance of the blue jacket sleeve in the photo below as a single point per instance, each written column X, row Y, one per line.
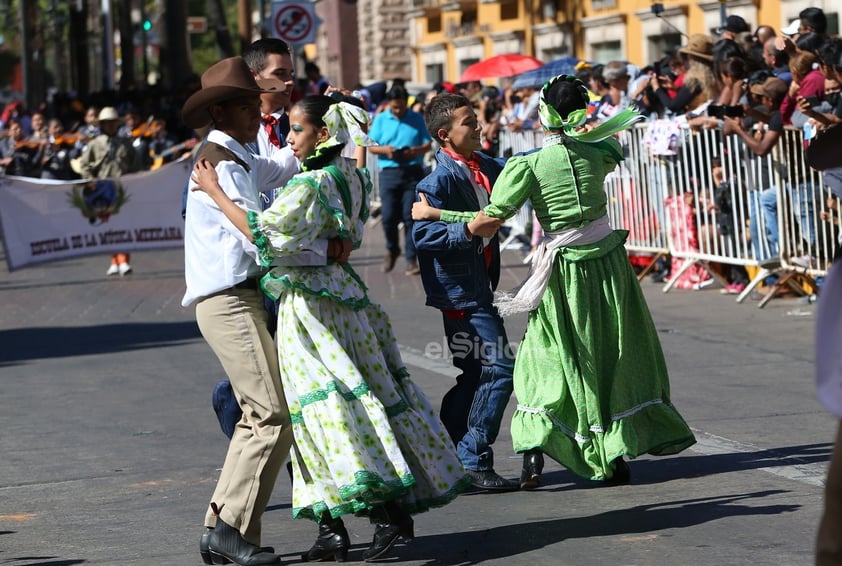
column 437, row 236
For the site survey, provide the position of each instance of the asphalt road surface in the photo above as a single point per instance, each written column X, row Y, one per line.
column 109, row 448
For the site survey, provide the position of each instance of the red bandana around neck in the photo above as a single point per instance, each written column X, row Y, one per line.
column 481, row 179
column 473, row 164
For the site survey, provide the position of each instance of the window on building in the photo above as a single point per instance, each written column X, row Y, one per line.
column 465, row 63
column 508, row 10
column 549, row 9
column 434, row 24
column 662, row 45
column 434, row 73
column 606, row 51
column 603, row 4
column 553, row 53
column 468, row 23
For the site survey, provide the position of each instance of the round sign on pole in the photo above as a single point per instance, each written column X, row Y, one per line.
column 294, row 22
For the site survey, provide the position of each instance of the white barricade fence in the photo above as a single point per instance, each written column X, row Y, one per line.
column 705, row 198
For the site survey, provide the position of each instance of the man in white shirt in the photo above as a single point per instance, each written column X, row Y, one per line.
column 223, row 281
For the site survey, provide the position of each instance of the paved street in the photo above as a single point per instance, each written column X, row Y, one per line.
column 109, row 448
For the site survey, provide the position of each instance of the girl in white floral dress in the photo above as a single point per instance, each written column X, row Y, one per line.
column 367, row 440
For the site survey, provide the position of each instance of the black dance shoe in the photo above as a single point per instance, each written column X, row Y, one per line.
column 225, row 544
column 489, row 480
column 204, row 550
column 533, row 465
column 392, row 523
column 622, row 472
column 332, row 542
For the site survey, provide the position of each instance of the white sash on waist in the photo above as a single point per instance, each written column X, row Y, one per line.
column 528, row 294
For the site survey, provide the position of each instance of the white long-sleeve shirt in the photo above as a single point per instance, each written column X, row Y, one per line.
column 216, row 254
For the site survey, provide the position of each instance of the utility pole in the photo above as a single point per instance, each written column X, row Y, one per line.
column 124, row 25
column 244, row 23
column 26, row 53
column 78, row 68
column 174, row 52
column 107, row 46
column 217, row 19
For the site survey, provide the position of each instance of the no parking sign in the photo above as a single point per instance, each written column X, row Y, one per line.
column 295, row 22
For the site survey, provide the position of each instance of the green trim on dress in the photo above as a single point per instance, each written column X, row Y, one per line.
column 355, row 303
column 261, row 240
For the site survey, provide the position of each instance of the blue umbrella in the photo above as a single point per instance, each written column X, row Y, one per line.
column 537, row 77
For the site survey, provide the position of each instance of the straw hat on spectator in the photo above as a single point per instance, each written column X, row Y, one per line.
column 108, row 114
column 699, row 45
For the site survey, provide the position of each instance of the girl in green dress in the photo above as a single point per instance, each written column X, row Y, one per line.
column 590, row 376
column 367, row 440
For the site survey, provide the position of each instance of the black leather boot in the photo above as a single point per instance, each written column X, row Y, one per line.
column 533, row 465
column 332, row 542
column 225, row 544
column 622, row 472
column 204, row 549
column 392, row 523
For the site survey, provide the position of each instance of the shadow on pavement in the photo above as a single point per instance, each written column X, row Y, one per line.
column 21, row 344
column 475, row 547
column 43, row 561
column 654, row 470
column 675, row 467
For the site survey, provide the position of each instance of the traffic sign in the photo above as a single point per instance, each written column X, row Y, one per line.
column 295, row 22
column 197, row 24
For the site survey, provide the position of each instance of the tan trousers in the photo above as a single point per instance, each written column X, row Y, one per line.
column 829, row 538
column 233, row 323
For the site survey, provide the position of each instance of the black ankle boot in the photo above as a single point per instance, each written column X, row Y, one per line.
column 533, row 465
column 332, row 542
column 392, row 523
column 622, row 472
column 225, row 544
column 204, row 549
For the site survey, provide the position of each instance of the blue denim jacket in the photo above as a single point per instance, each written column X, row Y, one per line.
column 453, row 269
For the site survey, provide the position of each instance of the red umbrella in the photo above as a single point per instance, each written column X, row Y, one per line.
column 506, row 65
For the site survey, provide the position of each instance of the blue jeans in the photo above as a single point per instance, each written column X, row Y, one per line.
column 472, row 410
column 763, row 203
column 397, row 193
column 802, row 208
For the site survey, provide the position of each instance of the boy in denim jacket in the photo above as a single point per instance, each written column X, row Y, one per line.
column 459, row 270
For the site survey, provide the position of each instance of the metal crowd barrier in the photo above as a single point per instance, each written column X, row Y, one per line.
column 704, row 198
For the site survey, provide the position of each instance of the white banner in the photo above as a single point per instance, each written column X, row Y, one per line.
column 45, row 220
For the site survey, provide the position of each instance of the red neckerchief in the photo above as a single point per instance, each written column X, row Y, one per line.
column 270, row 123
column 473, row 164
column 481, row 179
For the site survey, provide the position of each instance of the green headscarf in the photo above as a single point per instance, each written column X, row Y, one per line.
column 551, row 120
column 345, row 122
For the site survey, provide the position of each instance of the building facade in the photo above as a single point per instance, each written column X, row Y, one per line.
column 447, row 36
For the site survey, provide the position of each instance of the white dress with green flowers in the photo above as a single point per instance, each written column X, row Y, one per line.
column 364, row 432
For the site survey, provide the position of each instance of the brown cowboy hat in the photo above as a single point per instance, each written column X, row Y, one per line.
column 224, row 80
column 700, row 46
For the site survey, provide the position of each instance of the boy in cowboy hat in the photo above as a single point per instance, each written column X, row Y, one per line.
column 222, row 275
column 108, row 156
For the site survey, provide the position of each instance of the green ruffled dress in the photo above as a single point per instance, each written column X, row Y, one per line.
column 590, row 376
column 364, row 432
